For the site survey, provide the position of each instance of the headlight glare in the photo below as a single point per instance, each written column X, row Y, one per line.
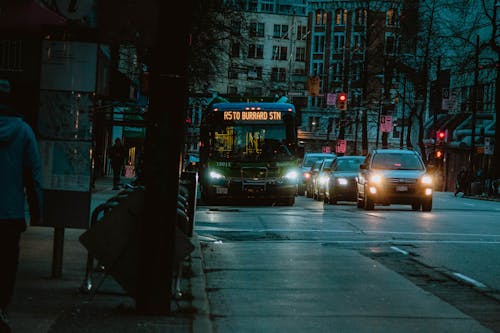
column 216, row 175
column 292, row 175
column 376, row 179
column 426, row 180
column 342, row 181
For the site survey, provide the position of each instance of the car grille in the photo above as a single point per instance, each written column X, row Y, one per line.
column 401, row 181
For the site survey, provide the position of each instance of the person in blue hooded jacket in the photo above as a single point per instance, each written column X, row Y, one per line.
column 20, row 174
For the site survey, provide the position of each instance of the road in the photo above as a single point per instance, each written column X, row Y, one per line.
column 452, row 252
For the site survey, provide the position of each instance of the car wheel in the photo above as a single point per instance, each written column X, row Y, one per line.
column 415, row 206
column 369, row 204
column 427, row 205
column 360, row 203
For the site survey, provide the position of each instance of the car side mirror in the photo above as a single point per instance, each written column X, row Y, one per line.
column 363, row 166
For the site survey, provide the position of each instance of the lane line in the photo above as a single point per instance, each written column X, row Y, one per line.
column 397, row 249
column 469, row 280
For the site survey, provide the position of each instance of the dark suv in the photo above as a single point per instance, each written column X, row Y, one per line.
column 394, row 176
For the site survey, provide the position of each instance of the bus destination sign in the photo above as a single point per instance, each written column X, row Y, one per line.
column 252, row 115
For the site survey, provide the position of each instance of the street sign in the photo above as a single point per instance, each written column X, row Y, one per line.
column 386, row 123
column 341, row 146
column 331, row 99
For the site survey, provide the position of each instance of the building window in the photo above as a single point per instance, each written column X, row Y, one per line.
column 256, row 51
column 340, row 16
column 313, row 124
column 301, row 32
column 360, row 16
column 278, row 74
column 256, row 29
column 233, row 73
column 338, row 43
column 357, row 70
column 279, row 52
column 337, row 71
column 300, row 54
column 231, row 90
column 252, row 5
column 319, row 44
column 390, row 44
column 321, row 16
column 11, row 55
column 391, row 19
column 358, row 42
column 235, row 49
column 254, row 73
column 236, row 27
column 280, row 31
column 267, row 6
column 254, row 91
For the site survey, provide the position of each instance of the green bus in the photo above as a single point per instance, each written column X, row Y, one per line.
column 248, row 151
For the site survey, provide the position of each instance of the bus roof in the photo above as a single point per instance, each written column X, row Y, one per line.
column 265, row 106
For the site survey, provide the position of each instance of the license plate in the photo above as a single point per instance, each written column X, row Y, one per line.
column 221, row 190
column 401, row 188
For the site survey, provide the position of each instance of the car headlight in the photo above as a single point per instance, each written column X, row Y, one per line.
column 376, row 179
column 291, row 175
column 427, row 180
column 306, row 175
column 216, row 175
column 342, row 181
column 323, row 180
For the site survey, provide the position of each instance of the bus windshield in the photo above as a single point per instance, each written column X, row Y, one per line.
column 256, row 142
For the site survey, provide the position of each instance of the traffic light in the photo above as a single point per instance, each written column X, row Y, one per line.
column 441, row 136
column 438, row 154
column 342, row 101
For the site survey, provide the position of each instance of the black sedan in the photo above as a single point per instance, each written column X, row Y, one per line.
column 341, row 184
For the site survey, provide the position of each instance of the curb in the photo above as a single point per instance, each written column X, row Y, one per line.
column 201, row 321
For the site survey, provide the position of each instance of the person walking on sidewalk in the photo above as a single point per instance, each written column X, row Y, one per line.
column 117, row 156
column 462, row 181
column 20, row 175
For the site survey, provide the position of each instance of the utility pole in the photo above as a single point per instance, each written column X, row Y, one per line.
column 163, row 154
column 435, row 111
column 474, row 109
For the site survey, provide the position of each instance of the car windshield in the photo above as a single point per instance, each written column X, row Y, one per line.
column 389, row 161
column 348, row 164
column 309, row 160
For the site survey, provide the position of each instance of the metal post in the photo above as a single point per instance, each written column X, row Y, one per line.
column 474, row 110
column 57, row 252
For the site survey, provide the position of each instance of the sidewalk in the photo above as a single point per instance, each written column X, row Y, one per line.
column 43, row 304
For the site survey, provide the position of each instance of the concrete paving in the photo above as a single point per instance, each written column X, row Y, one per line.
column 229, row 287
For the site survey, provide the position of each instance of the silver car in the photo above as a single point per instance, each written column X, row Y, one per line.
column 394, row 176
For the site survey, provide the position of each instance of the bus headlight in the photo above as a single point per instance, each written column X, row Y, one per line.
column 216, row 175
column 291, row 175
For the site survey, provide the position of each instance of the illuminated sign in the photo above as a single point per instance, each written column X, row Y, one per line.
column 252, row 115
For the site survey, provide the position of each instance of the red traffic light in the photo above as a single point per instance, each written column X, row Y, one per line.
column 342, row 97
column 441, row 136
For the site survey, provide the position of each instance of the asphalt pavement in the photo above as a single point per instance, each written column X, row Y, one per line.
column 365, row 296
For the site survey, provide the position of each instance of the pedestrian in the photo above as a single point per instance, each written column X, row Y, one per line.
column 20, row 176
column 461, row 182
column 117, row 156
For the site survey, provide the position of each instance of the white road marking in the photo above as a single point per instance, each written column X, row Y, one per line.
column 397, row 249
column 469, row 280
